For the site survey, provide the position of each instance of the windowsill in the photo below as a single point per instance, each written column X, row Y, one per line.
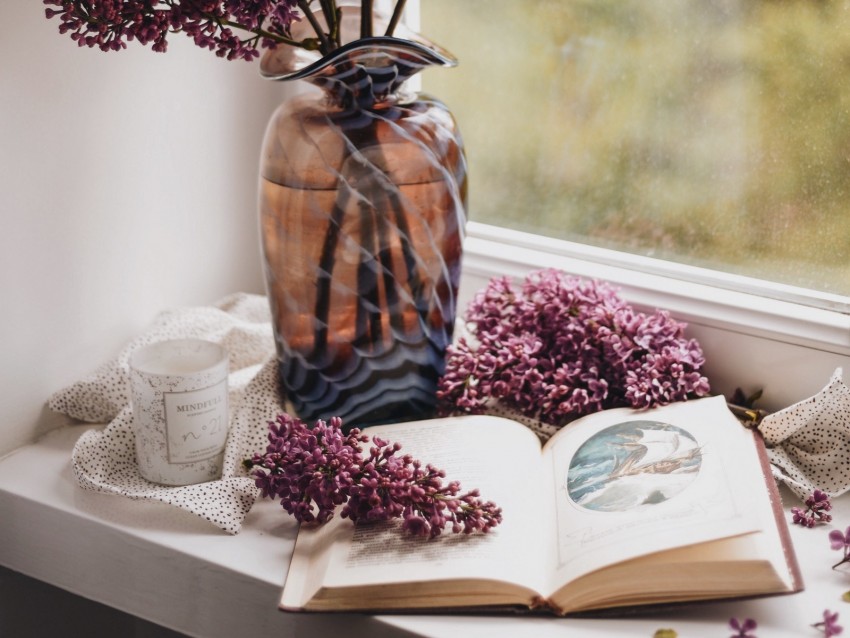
column 178, row 571
column 175, row 570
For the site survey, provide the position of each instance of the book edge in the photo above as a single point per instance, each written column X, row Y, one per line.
column 791, row 561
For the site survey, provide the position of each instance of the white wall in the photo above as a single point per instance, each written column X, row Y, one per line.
column 127, row 186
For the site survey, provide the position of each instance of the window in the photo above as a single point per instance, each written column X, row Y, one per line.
column 715, row 135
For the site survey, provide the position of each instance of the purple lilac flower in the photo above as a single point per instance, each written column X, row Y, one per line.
column 562, row 347
column 109, row 24
column 817, row 507
column 743, row 629
column 840, row 541
column 829, row 626
column 314, row 471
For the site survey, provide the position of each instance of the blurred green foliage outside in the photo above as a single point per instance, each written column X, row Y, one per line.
column 710, row 132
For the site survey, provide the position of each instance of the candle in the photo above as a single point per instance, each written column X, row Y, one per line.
column 180, row 415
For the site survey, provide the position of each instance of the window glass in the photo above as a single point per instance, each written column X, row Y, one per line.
column 709, row 132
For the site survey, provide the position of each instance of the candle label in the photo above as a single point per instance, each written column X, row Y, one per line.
column 196, row 423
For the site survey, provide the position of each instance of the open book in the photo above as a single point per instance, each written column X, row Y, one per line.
column 619, row 508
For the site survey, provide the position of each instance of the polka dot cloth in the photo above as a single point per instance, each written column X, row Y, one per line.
column 809, row 442
column 105, row 460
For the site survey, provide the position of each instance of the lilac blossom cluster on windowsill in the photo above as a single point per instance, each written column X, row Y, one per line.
column 817, row 510
column 560, row 347
column 743, row 628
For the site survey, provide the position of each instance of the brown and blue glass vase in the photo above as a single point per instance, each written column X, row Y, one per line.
column 362, row 214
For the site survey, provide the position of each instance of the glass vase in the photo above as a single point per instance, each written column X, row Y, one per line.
column 362, row 215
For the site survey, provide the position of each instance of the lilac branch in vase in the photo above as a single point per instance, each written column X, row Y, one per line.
column 374, row 226
column 399, row 9
column 332, row 19
column 369, row 330
column 325, row 45
column 385, row 259
column 365, row 18
column 110, row 24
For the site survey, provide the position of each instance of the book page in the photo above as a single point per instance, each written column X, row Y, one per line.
column 629, row 483
column 499, row 457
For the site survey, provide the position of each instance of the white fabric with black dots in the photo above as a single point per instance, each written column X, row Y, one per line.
column 105, row 460
column 809, row 442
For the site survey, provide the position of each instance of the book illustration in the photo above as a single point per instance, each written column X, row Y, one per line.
column 631, row 465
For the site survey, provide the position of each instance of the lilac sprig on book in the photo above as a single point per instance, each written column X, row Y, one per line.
column 313, row 471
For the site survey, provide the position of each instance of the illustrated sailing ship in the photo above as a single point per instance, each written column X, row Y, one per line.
column 657, row 452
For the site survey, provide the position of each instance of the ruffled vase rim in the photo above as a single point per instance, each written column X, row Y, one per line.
column 431, row 53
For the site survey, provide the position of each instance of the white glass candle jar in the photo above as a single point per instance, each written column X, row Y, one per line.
column 180, row 415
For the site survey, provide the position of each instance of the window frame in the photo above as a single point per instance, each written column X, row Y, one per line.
column 723, row 300
column 753, row 342
column 677, row 270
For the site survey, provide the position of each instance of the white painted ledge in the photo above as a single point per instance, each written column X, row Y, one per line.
column 176, row 570
column 146, row 558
